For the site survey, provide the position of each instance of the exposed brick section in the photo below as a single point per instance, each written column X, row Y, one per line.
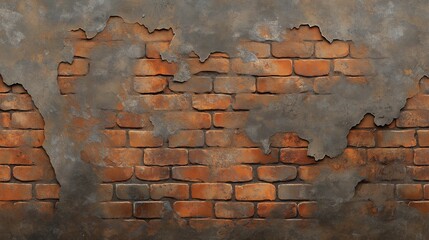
column 211, row 102
column 152, row 173
column 116, row 174
column 150, row 84
column 191, row 173
column 263, row 67
column 277, row 210
column 336, row 49
column 353, row 67
column 286, row 85
column 409, row 191
column 144, row 139
column 396, row 138
column 230, row 85
column 219, row 65
column 311, row 68
column 276, row 173
column 150, row 209
column 169, row 190
column 196, row 84
column 237, row 173
column 421, row 156
column 15, row 191
column 234, row 209
column 255, row 192
column 211, row 191
column 293, row 49
column 151, row 67
column 154, row 49
column 231, row 156
column 193, row 208
column 230, row 119
column 307, row 209
column 296, row 156
column 77, row 68
column 165, row 156
column 361, row 138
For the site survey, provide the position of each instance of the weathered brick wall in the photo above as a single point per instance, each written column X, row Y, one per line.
column 208, row 168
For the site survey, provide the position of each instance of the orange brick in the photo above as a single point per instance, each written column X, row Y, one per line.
column 255, row 192
column 15, row 191
column 115, row 138
column 169, row 190
column 4, row 173
column 239, row 84
column 245, row 101
column 77, row 68
column 150, row 209
column 3, row 86
column 292, row 49
column 116, row 209
column 193, row 208
column 116, row 174
column 219, row 65
column 409, row 191
column 419, row 102
column 154, row 49
column 219, row 156
column 150, row 67
column 421, row 156
column 353, row 67
column 230, row 119
column 287, row 140
column 276, row 210
column 145, row 139
column 211, row 191
column 150, row 84
column 152, row 173
column 263, row 67
column 133, row 120
column 219, row 138
column 261, row 50
column 211, row 101
column 395, row 138
column 15, row 102
column 25, row 120
column 5, row 120
column 237, row 173
column 285, row 85
column 240, row 139
column 47, row 191
column 426, row 191
column 336, row 49
column 295, row 156
column 191, row 173
column 422, row 206
column 19, row 138
column 413, row 118
column 186, row 138
column 389, row 155
column 124, row 157
column 309, row 173
column 366, row 122
column 423, row 138
column 18, row 156
column 304, row 32
column 312, row 68
column 165, row 156
column 361, row 138
column 33, row 173
column 276, row 173
column 234, row 209
column 196, row 84
column 307, row 209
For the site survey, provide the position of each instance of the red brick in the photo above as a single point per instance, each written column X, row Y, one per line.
column 116, row 174
column 18, row 88
column 150, row 84
column 420, row 173
column 196, row 84
column 366, row 122
column 239, row 84
column 124, row 157
column 388, row 155
column 295, row 156
column 307, row 209
column 165, row 156
column 309, row 173
column 304, row 32
column 4, row 173
column 24, row 120
column 263, row 67
column 33, row 173
column 133, row 120
column 5, row 120
column 132, row 191
column 353, row 67
column 211, row 101
column 193, row 208
column 421, row 156
column 3, row 86
column 15, row 102
column 154, row 49
column 287, row 140
column 409, row 191
column 419, row 102
column 245, row 101
column 150, row 67
column 276, row 210
column 276, row 173
column 237, row 173
column 18, row 156
column 18, row 138
column 116, row 209
column 77, row 68
column 240, row 139
column 312, row 68
column 285, row 85
column 413, row 118
column 115, row 138
column 186, row 138
column 230, row 119
column 361, row 138
column 234, row 209
column 292, row 49
column 426, row 191
column 211, row 191
column 160, row 35
column 395, row 138
column 191, row 173
column 219, row 138
column 336, row 49
column 188, row 120
column 261, row 50
column 169, row 190
column 255, row 192
column 216, row 156
column 165, row 102
column 152, row 173
column 15, row 191
column 422, row 206
column 423, row 138
column 145, row 139
column 47, row 191
column 104, row 192
column 219, row 65
column 150, row 209
column 295, row 191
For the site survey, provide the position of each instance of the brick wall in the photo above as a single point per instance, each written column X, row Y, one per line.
column 208, row 168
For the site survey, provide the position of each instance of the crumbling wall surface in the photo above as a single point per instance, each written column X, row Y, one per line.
column 207, row 119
